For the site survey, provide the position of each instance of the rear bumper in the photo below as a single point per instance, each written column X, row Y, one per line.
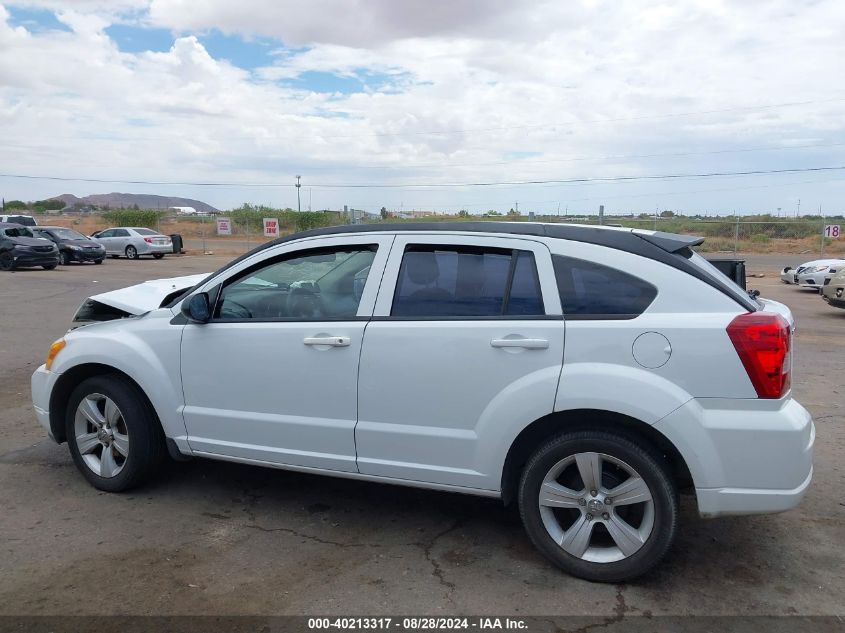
column 745, row 456
column 151, row 249
column 726, row 501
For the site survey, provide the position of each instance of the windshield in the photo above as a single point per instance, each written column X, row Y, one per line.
column 67, row 234
column 19, row 232
column 145, row 232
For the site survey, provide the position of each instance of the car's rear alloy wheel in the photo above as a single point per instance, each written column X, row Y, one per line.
column 114, row 436
column 599, row 505
column 64, row 260
column 131, row 252
column 158, row 255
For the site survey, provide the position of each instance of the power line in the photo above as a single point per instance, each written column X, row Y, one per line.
column 563, row 181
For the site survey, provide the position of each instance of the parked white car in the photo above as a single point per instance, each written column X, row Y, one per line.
column 811, row 274
column 587, row 374
column 132, row 242
column 16, row 218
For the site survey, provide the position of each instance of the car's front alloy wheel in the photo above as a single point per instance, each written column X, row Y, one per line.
column 601, row 506
column 101, row 435
column 114, row 436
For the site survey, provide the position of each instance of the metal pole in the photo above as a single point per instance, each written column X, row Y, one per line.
column 822, row 233
column 736, row 235
column 298, row 185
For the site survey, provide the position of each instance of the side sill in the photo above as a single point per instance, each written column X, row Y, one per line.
column 478, row 492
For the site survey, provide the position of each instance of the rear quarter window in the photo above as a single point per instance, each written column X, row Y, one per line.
column 591, row 291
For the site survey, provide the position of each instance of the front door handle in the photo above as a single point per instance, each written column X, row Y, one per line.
column 334, row 341
column 527, row 343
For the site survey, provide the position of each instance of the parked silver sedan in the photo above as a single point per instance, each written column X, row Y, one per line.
column 132, row 242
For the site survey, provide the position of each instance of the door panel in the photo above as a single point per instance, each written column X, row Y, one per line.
column 283, row 389
column 437, row 394
column 256, row 390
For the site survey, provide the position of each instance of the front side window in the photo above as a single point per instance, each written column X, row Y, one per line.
column 120, row 233
column 593, row 291
column 318, row 284
column 445, row 281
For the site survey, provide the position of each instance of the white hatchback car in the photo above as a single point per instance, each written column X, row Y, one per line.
column 589, row 374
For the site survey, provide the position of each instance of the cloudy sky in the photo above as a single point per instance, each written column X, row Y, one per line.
column 383, row 102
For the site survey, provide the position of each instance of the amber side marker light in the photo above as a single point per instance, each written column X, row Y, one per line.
column 55, row 348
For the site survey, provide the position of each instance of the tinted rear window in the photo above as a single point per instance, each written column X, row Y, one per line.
column 457, row 282
column 593, row 291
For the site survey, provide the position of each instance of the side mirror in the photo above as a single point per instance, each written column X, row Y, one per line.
column 197, row 309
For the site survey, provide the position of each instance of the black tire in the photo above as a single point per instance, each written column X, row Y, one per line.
column 146, row 439
column 6, row 262
column 131, row 252
column 158, row 255
column 50, row 267
column 98, row 261
column 113, row 256
column 646, row 462
column 64, row 260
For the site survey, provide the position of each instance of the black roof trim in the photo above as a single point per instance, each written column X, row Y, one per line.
column 671, row 242
column 602, row 236
column 660, row 246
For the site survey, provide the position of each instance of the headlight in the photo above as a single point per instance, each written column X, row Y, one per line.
column 74, row 247
column 21, row 247
column 55, row 348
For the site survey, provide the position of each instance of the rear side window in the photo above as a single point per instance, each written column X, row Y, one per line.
column 443, row 281
column 592, row 291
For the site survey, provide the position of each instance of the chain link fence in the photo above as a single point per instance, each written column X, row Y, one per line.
column 736, row 235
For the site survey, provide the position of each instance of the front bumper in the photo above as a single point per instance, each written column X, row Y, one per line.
column 745, row 456
column 41, row 385
column 86, row 255
column 28, row 258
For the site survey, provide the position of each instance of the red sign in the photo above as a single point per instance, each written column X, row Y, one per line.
column 271, row 227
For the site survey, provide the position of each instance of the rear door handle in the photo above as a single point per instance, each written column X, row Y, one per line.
column 334, row 341
column 527, row 343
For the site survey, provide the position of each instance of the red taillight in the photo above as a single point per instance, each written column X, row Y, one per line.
column 761, row 340
column 148, row 240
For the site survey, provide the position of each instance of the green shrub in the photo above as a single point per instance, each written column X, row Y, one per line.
column 148, row 218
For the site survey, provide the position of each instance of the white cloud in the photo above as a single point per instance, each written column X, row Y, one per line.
column 557, row 82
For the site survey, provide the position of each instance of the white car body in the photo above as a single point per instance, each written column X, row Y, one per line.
column 441, row 402
column 811, row 274
column 119, row 240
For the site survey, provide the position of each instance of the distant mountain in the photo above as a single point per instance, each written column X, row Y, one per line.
column 127, row 200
